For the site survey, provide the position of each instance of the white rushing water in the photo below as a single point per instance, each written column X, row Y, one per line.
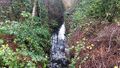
column 61, row 33
column 59, row 50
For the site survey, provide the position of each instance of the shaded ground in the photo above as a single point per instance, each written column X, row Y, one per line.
column 102, row 46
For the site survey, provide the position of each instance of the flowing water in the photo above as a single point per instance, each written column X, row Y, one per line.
column 59, row 51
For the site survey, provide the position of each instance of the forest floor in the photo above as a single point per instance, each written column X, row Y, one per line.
column 102, row 45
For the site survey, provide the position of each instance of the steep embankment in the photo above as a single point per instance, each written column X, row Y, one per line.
column 101, row 46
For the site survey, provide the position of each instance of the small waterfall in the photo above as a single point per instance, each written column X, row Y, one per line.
column 59, row 51
column 61, row 33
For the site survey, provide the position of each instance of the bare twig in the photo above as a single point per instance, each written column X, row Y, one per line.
column 111, row 39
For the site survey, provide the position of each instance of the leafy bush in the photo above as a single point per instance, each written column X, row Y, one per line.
column 32, row 36
column 11, row 59
column 77, row 48
column 12, row 12
column 96, row 9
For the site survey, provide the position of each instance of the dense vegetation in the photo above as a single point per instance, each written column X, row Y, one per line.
column 31, row 36
column 25, row 37
column 107, row 10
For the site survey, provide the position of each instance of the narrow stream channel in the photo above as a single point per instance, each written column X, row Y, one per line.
column 59, row 51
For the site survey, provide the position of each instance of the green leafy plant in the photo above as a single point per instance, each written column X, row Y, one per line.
column 12, row 59
column 107, row 10
column 32, row 36
column 78, row 47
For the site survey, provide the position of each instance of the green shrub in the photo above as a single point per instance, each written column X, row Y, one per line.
column 96, row 9
column 12, row 12
column 78, row 48
column 32, row 37
column 11, row 59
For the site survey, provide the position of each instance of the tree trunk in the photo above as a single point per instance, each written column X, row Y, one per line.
column 34, row 8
